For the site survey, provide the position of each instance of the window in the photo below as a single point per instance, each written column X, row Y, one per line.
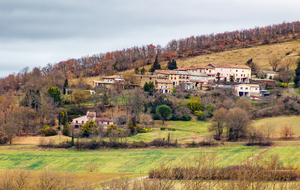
column 244, row 74
column 221, row 74
column 161, row 86
column 180, row 77
column 255, row 88
column 236, row 70
column 171, row 77
column 230, row 70
column 150, row 78
column 236, row 74
column 246, row 88
column 179, row 82
column 209, row 71
column 141, row 77
column 110, row 80
column 166, row 86
column 204, row 78
column 187, row 77
column 183, row 77
column 76, row 121
column 193, row 77
column 227, row 74
column 242, row 70
column 221, row 69
column 175, row 78
column 241, row 88
column 82, row 122
column 241, row 75
column 197, row 78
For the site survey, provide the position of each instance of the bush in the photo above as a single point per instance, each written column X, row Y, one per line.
column 175, row 117
column 148, row 129
column 49, row 132
column 112, row 127
column 168, row 128
column 201, row 117
column 186, row 117
column 142, row 130
column 155, row 117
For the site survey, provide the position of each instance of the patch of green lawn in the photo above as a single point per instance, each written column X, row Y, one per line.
column 117, row 161
column 157, row 133
column 199, row 127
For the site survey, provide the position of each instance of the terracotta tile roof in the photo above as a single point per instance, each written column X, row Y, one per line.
column 113, row 77
column 146, row 76
column 202, row 67
column 164, row 81
column 167, row 72
column 240, row 66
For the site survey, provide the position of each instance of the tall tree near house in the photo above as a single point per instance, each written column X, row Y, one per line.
column 274, row 62
column 218, row 76
column 172, row 65
column 231, row 78
column 218, row 122
column 252, row 65
column 156, row 65
column 164, row 112
column 143, row 70
column 79, row 96
column 297, row 73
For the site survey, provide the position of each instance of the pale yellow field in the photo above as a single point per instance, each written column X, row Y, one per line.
column 260, row 55
column 278, row 122
column 35, row 140
column 78, row 179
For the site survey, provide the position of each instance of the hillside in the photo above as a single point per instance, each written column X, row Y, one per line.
column 260, row 55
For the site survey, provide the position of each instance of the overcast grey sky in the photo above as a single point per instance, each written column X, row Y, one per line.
column 34, row 32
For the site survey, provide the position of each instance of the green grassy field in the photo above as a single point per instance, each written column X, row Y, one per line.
column 116, row 161
column 157, row 133
column 199, row 127
column 278, row 122
column 288, row 154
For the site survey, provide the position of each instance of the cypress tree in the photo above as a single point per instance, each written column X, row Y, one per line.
column 297, row 77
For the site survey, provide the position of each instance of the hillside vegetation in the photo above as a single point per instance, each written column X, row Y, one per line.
column 259, row 54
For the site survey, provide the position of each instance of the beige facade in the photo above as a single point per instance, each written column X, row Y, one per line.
column 164, row 86
column 145, row 78
column 114, row 81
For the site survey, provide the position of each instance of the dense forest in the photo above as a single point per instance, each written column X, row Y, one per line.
column 120, row 60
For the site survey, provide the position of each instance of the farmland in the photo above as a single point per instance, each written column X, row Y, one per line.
column 116, row 161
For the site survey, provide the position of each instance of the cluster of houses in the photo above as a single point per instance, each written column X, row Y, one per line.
column 204, row 77
column 196, row 77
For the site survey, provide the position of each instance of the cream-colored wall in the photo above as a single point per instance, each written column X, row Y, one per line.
column 237, row 72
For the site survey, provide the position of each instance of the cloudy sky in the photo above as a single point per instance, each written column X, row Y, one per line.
column 37, row 32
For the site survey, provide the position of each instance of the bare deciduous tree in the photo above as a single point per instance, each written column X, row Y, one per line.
column 274, row 62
